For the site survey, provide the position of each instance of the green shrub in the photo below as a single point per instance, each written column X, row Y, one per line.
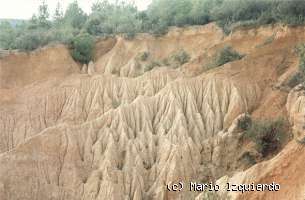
column 7, row 35
column 248, row 158
column 143, row 56
column 75, row 16
column 31, row 40
column 129, row 36
column 119, row 17
column 93, row 25
column 301, row 141
column 244, row 123
column 299, row 77
column 269, row 40
column 291, row 12
column 151, row 65
column 230, row 12
column 300, row 49
column 295, row 80
column 166, row 61
column 63, row 35
column 201, row 11
column 258, row 12
column 159, row 29
column 82, row 48
column 181, row 57
column 115, row 104
column 267, row 135
column 115, row 71
column 244, row 24
column 225, row 55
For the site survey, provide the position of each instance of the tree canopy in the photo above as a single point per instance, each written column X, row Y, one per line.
column 119, row 17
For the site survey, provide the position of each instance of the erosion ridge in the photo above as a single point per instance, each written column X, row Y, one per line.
column 124, row 133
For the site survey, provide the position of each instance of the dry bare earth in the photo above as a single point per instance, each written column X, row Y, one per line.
column 123, row 133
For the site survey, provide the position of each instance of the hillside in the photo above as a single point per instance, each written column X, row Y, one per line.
column 148, row 112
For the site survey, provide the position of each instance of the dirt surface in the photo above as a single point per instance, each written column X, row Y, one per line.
column 115, row 130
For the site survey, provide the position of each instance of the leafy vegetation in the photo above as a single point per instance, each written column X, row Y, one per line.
column 152, row 65
column 181, row 57
column 175, row 60
column 301, row 52
column 166, row 61
column 248, row 158
column 143, row 56
column 244, row 123
column 301, row 141
column 7, row 35
column 299, row 77
column 119, row 17
column 82, row 48
column 257, row 12
column 295, row 80
column 225, row 55
column 267, row 135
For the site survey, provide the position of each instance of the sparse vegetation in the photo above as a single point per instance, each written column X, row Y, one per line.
column 151, row 65
column 301, row 52
column 295, row 80
column 298, row 77
column 269, row 40
column 175, row 60
column 268, row 135
column 166, row 61
column 115, row 71
column 225, row 55
column 181, row 57
column 301, row 141
column 115, row 104
column 244, row 123
column 248, row 158
column 129, row 36
column 143, row 56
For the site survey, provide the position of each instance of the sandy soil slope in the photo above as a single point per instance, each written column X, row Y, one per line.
column 121, row 132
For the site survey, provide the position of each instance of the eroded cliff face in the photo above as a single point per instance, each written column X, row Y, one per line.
column 20, row 69
column 121, row 132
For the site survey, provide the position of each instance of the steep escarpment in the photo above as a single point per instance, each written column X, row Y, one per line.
column 122, row 58
column 285, row 168
column 19, row 69
column 125, row 132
